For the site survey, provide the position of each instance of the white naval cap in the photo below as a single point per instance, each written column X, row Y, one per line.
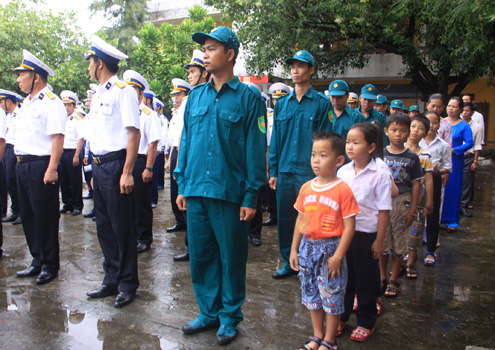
column 353, row 97
column 180, row 85
column 148, row 93
column 158, row 102
column 31, row 63
column 131, row 77
column 105, row 51
column 9, row 94
column 278, row 90
column 68, row 96
column 196, row 60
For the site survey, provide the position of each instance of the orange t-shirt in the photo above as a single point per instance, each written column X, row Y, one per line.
column 325, row 208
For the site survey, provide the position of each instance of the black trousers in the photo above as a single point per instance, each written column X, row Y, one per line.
column 154, row 183
column 257, row 220
column 142, row 196
column 363, row 280
column 174, row 190
column 161, row 169
column 467, row 181
column 115, row 225
column 433, row 220
column 70, row 178
column 39, row 211
column 10, row 164
column 3, row 190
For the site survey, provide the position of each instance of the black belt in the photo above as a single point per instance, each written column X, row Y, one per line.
column 28, row 158
column 69, row 149
column 9, row 145
column 109, row 157
column 142, row 156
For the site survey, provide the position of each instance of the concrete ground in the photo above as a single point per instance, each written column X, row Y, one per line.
column 450, row 306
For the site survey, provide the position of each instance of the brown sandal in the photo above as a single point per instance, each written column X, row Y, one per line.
column 392, row 289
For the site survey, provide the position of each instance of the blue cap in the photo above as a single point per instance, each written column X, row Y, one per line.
column 132, row 77
column 9, row 94
column 414, row 108
column 398, row 104
column 303, row 56
column 338, row 88
column 105, row 51
column 222, row 34
column 180, row 86
column 31, row 63
column 149, row 94
column 369, row 92
column 382, row 100
column 158, row 103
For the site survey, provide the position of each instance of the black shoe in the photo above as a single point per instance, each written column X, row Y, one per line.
column 17, row 221
column 11, row 218
column 76, row 212
column 269, row 222
column 255, row 241
column 141, row 247
column 65, row 210
column 91, row 214
column 29, row 272
column 182, row 257
column 102, row 292
column 176, row 228
column 466, row 213
column 45, row 277
column 124, row 298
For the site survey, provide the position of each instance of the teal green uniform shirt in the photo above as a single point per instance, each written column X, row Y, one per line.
column 348, row 118
column 293, row 125
column 222, row 152
column 382, row 118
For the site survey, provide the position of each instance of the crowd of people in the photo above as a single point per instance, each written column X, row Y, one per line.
column 350, row 181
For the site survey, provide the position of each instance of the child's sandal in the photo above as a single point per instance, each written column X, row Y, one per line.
column 430, row 259
column 378, row 306
column 328, row 345
column 361, row 335
column 392, row 289
column 311, row 339
column 340, row 329
column 411, row 272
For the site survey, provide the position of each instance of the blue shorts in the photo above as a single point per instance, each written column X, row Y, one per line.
column 317, row 289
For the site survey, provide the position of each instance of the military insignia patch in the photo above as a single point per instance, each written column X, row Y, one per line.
column 330, row 116
column 262, row 124
column 41, row 96
column 108, row 86
column 335, row 85
column 50, row 95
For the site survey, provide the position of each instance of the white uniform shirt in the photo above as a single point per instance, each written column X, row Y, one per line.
column 114, row 108
column 74, row 131
column 40, row 117
column 163, row 143
column 150, row 128
column 3, row 124
column 176, row 125
column 269, row 126
column 372, row 188
column 440, row 152
column 11, row 125
column 477, row 138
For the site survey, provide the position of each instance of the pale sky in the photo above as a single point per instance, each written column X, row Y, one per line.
column 83, row 15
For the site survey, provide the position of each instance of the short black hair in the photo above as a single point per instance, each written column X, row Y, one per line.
column 399, row 118
column 461, row 102
column 227, row 48
column 372, row 133
column 424, row 120
column 470, row 105
column 436, row 97
column 427, row 113
column 337, row 141
column 112, row 67
column 471, row 96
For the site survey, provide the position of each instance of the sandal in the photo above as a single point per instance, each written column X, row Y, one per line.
column 340, row 329
column 450, row 229
column 328, row 345
column 411, row 272
column 383, row 286
column 378, row 306
column 430, row 259
column 360, row 334
column 355, row 307
column 392, row 289
column 311, row 339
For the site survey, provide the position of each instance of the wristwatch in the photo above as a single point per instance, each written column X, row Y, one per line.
column 149, row 169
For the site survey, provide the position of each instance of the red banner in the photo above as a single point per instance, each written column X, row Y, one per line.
column 250, row 79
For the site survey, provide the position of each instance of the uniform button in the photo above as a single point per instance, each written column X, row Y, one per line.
column 209, row 154
column 208, row 173
column 204, row 193
column 211, row 135
column 230, row 117
column 216, row 100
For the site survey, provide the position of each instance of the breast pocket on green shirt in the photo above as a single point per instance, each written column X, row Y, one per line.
column 283, row 122
column 230, row 124
column 307, row 122
column 197, row 119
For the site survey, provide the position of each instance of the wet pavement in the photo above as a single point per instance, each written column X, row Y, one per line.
column 450, row 306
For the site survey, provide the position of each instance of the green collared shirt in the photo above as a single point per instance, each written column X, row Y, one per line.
column 382, row 118
column 293, row 125
column 223, row 146
column 348, row 118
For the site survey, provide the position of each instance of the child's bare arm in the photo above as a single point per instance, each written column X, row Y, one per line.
column 395, row 189
column 383, row 220
column 345, row 240
column 429, row 193
column 416, row 187
column 296, row 241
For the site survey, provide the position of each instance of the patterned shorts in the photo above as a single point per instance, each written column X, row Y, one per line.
column 397, row 235
column 318, row 291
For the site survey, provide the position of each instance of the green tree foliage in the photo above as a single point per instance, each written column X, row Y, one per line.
column 127, row 18
column 440, row 42
column 162, row 52
column 54, row 39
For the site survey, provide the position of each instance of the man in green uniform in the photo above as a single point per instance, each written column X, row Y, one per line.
column 220, row 169
column 296, row 117
column 343, row 116
column 368, row 98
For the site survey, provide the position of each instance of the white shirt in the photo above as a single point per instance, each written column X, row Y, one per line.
column 150, row 128
column 478, row 118
column 176, row 125
column 269, row 126
column 11, row 124
column 163, row 144
column 440, row 152
column 74, row 131
column 477, row 138
column 114, row 108
column 40, row 117
column 3, row 124
column 372, row 188
column 445, row 130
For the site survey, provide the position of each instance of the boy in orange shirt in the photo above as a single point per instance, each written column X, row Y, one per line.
column 323, row 231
